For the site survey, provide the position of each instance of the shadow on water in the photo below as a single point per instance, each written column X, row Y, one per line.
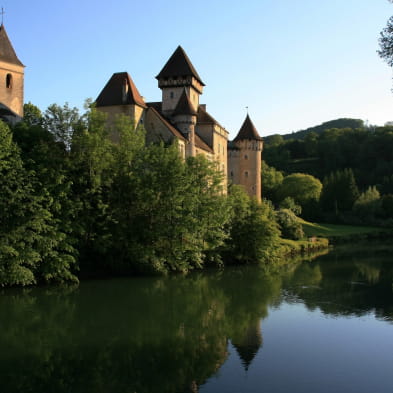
column 168, row 334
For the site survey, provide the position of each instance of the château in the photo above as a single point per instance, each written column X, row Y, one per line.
column 180, row 116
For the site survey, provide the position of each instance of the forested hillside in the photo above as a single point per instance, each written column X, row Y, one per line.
column 355, row 166
column 301, row 134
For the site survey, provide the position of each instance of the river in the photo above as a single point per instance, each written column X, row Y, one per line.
column 321, row 325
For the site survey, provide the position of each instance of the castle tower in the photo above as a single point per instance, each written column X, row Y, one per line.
column 179, row 74
column 245, row 159
column 247, row 343
column 11, row 81
column 120, row 96
column 184, row 118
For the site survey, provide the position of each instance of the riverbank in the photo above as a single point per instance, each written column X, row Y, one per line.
column 345, row 233
column 303, row 247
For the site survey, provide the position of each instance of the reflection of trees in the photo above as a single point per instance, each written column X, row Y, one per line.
column 344, row 284
column 143, row 335
column 168, row 334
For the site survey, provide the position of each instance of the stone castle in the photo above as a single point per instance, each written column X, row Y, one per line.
column 178, row 116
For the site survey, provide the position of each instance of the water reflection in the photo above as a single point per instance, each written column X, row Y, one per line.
column 168, row 334
column 346, row 282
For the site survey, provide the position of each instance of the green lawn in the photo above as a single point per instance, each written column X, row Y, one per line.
column 332, row 230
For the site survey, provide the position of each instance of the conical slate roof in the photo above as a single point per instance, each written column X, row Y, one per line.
column 248, row 345
column 179, row 65
column 248, row 131
column 184, row 106
column 7, row 52
column 120, row 90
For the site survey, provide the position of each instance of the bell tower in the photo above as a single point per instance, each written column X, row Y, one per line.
column 11, row 81
column 179, row 74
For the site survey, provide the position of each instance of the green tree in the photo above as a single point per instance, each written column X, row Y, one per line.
column 32, row 246
column 290, row 204
column 168, row 214
column 386, row 42
column 290, row 226
column 339, row 191
column 32, row 114
column 368, row 205
column 271, row 181
column 253, row 231
column 303, row 188
column 62, row 122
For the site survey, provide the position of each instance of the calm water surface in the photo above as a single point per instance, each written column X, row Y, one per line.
column 318, row 326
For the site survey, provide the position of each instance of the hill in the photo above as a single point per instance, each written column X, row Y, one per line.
column 337, row 123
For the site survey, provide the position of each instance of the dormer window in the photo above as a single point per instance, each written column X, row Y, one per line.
column 8, row 81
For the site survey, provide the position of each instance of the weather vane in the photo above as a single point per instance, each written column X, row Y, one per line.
column 247, row 109
column 2, row 15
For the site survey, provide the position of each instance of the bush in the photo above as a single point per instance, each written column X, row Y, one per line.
column 290, row 226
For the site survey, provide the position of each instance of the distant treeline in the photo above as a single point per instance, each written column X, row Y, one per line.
column 354, row 164
column 327, row 125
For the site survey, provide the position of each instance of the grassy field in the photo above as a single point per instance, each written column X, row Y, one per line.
column 332, row 230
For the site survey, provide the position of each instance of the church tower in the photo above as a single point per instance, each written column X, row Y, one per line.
column 179, row 74
column 245, row 159
column 11, row 81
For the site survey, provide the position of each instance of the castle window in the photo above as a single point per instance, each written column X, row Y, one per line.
column 171, row 94
column 232, row 173
column 246, row 174
column 8, row 81
column 246, row 157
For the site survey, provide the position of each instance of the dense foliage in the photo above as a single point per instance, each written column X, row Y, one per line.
column 350, row 162
column 79, row 195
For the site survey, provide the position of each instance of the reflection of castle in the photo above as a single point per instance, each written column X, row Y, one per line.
column 247, row 343
column 180, row 116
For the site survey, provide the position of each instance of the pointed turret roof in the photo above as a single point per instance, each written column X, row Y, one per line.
column 120, row 90
column 248, row 344
column 248, row 131
column 179, row 65
column 184, row 106
column 7, row 52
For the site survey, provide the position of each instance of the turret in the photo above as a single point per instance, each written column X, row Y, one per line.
column 245, row 159
column 178, row 74
column 184, row 118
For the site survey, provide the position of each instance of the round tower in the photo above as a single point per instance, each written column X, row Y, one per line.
column 245, row 159
column 184, row 117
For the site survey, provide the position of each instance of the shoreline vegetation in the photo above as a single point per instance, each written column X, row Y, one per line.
column 74, row 203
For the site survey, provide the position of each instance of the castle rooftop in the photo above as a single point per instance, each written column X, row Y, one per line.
column 247, row 131
column 179, row 65
column 120, row 90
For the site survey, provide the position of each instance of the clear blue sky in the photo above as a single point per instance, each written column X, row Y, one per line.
column 294, row 63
